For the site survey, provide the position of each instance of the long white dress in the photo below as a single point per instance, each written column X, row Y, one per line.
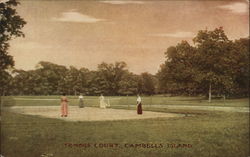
column 102, row 102
column 81, row 105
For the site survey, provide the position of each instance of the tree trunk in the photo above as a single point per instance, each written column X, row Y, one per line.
column 210, row 93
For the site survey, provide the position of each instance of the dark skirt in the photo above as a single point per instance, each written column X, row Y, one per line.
column 139, row 109
column 81, row 105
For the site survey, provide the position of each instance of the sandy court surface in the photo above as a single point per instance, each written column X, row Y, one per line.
column 89, row 113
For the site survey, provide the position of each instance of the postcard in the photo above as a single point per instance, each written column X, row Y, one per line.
column 124, row 78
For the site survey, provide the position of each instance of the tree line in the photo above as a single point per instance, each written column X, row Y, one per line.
column 211, row 65
column 52, row 79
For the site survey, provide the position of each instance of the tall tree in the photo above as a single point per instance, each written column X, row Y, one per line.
column 214, row 64
column 240, row 53
column 111, row 76
column 213, row 59
column 177, row 75
column 10, row 26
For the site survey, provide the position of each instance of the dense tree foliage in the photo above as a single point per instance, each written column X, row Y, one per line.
column 177, row 75
column 214, row 64
column 10, row 26
column 53, row 79
column 146, row 84
column 111, row 76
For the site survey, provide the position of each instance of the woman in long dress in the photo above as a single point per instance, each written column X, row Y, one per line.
column 139, row 105
column 102, row 102
column 81, row 104
column 64, row 106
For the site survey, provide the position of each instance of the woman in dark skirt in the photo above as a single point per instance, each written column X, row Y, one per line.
column 139, row 105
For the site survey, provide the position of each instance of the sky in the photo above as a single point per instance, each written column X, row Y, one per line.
column 87, row 33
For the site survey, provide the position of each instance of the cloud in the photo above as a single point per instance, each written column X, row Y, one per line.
column 3, row 1
column 176, row 35
column 74, row 16
column 122, row 2
column 237, row 8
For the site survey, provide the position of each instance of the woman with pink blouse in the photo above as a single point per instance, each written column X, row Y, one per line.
column 64, row 106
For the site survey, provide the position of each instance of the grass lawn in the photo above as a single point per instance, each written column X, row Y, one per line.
column 128, row 101
column 210, row 134
column 205, row 134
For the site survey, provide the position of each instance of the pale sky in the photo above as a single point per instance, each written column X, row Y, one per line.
column 86, row 33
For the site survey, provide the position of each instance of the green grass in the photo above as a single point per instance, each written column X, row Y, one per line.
column 130, row 101
column 211, row 134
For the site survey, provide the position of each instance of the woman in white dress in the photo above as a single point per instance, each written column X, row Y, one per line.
column 102, row 102
column 81, row 104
